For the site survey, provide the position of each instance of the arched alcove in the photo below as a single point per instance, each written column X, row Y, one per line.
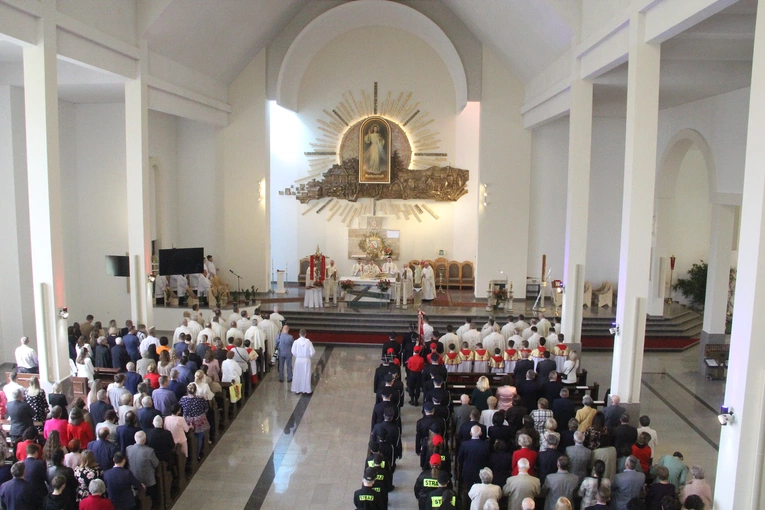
column 360, row 14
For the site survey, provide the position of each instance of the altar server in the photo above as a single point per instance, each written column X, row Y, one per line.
column 428, row 283
column 358, row 268
column 467, row 355
column 497, row 362
column 210, row 266
column 203, row 285
column 302, row 351
column 330, row 282
column 407, row 282
column 481, row 359
column 453, row 359
column 160, row 283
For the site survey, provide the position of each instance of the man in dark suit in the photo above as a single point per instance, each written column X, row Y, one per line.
column 120, row 356
column 546, row 367
column 20, row 413
column 521, row 367
column 563, row 409
column 426, row 423
column 514, row 415
column 35, row 472
column 99, row 407
column 128, row 326
column 163, row 397
column 132, row 345
column 623, row 435
column 626, row 485
column 378, row 413
column 102, row 449
column 58, row 468
column 463, row 434
column 433, row 368
column 551, row 386
column 547, row 461
column 16, row 493
column 560, row 484
column 613, row 412
column 132, row 378
column 473, row 456
column 529, row 390
column 177, row 386
column 160, row 440
column 102, row 354
column 120, row 483
column 147, row 413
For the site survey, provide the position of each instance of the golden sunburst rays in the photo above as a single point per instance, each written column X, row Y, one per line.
column 345, row 212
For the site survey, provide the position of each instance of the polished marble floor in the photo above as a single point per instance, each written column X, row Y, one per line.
column 286, row 451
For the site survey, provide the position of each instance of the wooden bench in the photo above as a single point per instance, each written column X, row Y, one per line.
column 106, row 375
column 21, row 379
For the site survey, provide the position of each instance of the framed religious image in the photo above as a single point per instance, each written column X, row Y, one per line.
column 374, row 151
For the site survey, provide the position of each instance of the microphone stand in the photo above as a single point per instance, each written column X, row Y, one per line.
column 238, row 285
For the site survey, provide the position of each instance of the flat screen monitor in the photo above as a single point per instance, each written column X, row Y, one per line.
column 117, row 265
column 181, row 261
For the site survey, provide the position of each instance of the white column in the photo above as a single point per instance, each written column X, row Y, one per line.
column 43, row 174
column 637, row 211
column 138, row 179
column 739, row 481
column 718, row 274
column 577, row 207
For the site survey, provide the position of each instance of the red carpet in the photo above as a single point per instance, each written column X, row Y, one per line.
column 595, row 343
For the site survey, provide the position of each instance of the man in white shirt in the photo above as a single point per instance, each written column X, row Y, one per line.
column 508, row 329
column 449, row 338
column 244, row 323
column 230, row 369
column 146, row 342
column 11, row 386
column 233, row 332
column 472, row 336
column 203, row 285
column 390, row 267
column 210, row 266
column 276, row 318
column 645, row 423
column 464, row 328
column 26, row 358
column 427, row 330
column 182, row 329
column 358, row 268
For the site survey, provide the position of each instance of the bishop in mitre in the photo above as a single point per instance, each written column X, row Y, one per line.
column 390, row 267
column 428, row 283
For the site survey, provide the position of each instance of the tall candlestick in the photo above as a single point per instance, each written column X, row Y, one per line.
column 544, row 266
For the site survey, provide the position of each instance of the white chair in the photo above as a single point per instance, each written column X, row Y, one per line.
column 604, row 296
column 587, row 298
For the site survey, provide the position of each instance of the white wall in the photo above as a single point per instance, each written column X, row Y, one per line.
column 16, row 300
column 102, row 217
column 246, row 161
column 606, row 186
column 198, row 185
column 163, row 153
column 406, row 65
column 70, row 212
column 547, row 215
column 505, row 165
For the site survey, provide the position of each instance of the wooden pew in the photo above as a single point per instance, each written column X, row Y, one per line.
column 106, row 375
column 21, row 379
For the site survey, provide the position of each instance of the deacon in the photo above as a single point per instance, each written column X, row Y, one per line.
column 428, row 283
column 302, row 350
column 390, row 267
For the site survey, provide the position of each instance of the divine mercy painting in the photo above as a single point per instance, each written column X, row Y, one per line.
column 374, row 151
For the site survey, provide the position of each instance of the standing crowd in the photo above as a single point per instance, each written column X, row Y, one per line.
column 532, row 442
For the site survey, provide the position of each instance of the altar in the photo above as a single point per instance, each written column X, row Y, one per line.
column 365, row 290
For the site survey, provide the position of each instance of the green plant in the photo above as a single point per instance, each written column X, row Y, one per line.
column 247, row 295
column 694, row 287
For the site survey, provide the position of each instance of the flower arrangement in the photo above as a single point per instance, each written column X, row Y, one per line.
column 388, row 252
column 383, row 285
column 346, row 285
column 318, row 283
column 500, row 294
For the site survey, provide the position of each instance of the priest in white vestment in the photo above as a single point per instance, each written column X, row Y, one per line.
column 193, row 326
column 160, row 283
column 255, row 336
column 183, row 328
column 233, row 317
column 389, row 267
column 371, row 268
column 179, row 284
column 217, row 328
column 508, row 329
column 449, row 338
column 463, row 329
column 207, row 332
column 244, row 322
column 521, row 324
column 276, row 318
column 494, row 340
column 358, row 268
column 428, row 283
column 233, row 332
column 472, row 337
column 534, row 339
column 330, row 282
column 270, row 331
column 543, row 326
column 302, row 351
column 203, row 285
column 488, row 327
column 210, row 266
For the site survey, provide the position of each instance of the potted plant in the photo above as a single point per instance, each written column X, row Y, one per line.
column 168, row 293
column 247, row 296
column 235, row 297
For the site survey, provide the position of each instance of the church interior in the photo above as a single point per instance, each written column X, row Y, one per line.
column 475, row 155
